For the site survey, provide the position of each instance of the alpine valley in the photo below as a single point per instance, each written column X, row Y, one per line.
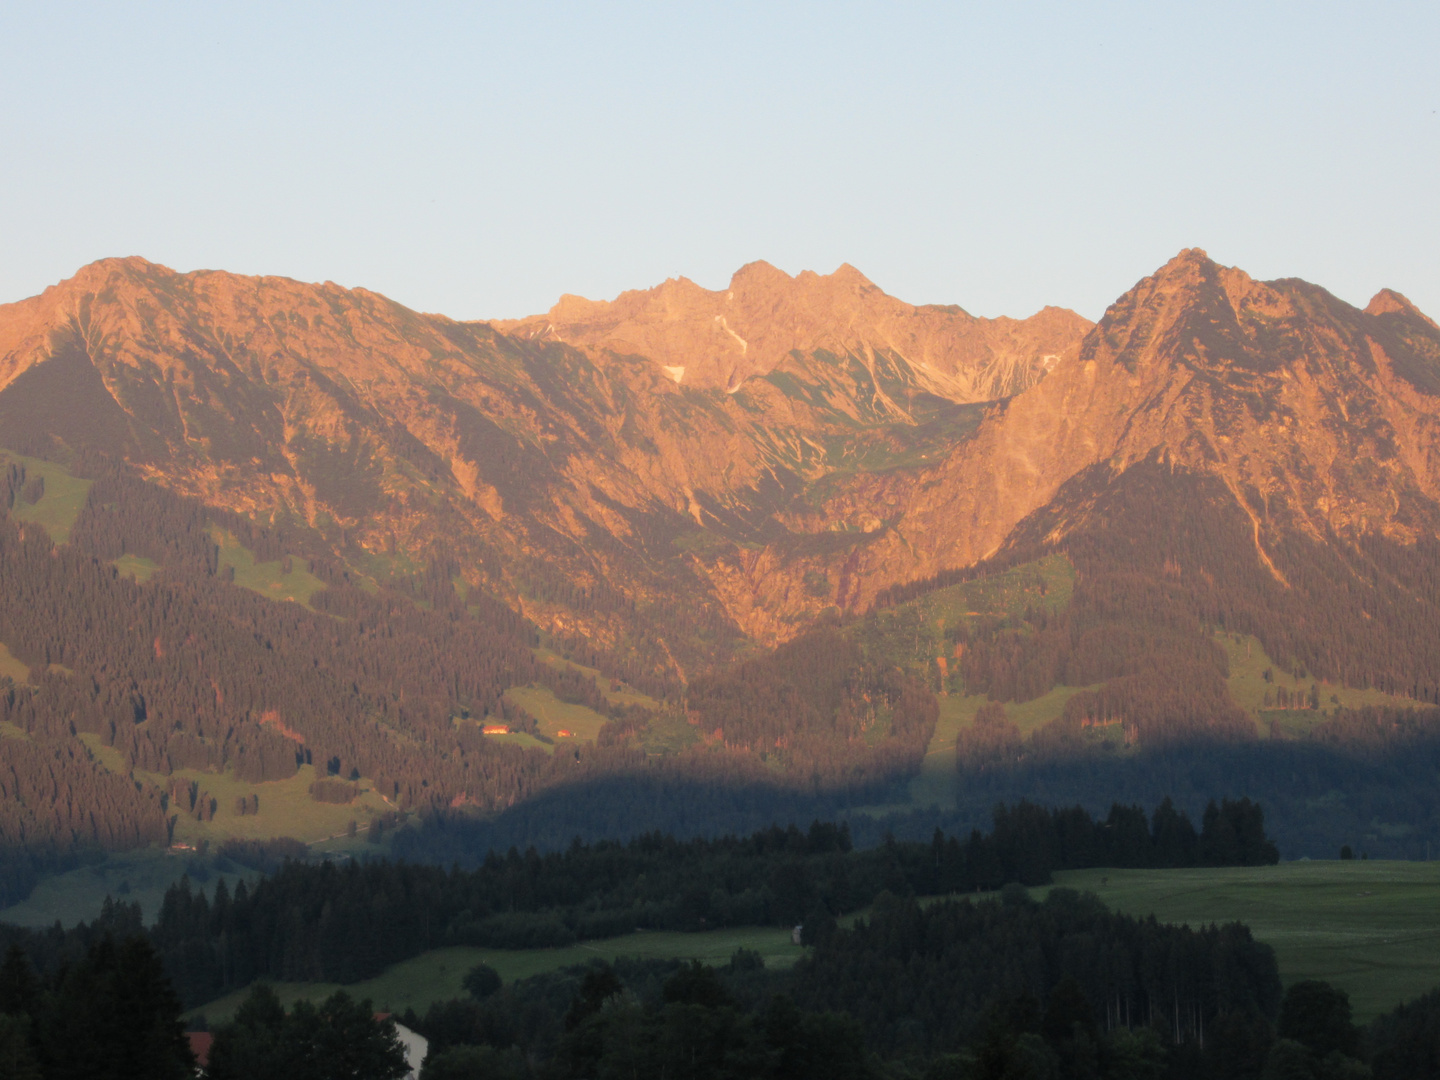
column 290, row 560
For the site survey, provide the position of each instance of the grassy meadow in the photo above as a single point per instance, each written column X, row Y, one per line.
column 11, row 668
column 62, row 502
column 1370, row 927
column 269, row 579
column 136, row 567
column 615, row 694
column 1248, row 687
column 286, row 809
column 140, row 876
column 555, row 716
column 436, row 975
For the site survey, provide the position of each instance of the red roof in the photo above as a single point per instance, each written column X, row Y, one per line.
column 200, row 1046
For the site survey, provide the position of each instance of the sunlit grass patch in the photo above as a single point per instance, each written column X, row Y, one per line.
column 1249, row 688
column 136, row 567
column 12, row 668
column 58, row 508
column 270, row 579
column 580, row 722
column 286, row 808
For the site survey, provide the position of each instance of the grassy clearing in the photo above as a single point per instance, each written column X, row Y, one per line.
column 269, row 579
column 522, row 739
column 286, row 809
column 107, row 756
column 555, row 716
column 435, row 976
column 137, row 568
column 934, row 784
column 624, row 695
column 62, row 502
column 668, row 733
column 11, row 668
column 1372, row 928
column 914, row 634
column 132, row 876
column 1248, row 687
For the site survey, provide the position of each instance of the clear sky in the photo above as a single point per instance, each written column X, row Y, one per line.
column 481, row 159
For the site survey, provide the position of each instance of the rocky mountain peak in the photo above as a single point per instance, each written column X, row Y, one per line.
column 1390, row 302
column 719, row 339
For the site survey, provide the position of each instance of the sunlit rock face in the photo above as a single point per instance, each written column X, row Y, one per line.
column 697, row 468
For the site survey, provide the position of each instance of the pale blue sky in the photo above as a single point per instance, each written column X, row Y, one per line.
column 480, row 160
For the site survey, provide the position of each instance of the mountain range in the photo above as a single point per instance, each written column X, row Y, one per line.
column 682, row 488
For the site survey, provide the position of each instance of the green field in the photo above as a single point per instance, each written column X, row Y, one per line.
column 135, row 567
column 1372, row 928
column 11, row 668
column 107, row 756
column 435, row 976
column 132, row 876
column 555, row 716
column 269, row 579
column 616, row 695
column 286, row 809
column 916, row 633
column 1248, row 688
column 62, row 502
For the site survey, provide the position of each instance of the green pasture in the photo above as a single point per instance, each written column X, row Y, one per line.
column 1370, row 927
column 1248, row 687
column 62, row 502
column 555, row 716
column 917, row 632
column 524, row 740
column 268, row 578
column 286, row 809
column 135, row 567
column 934, row 784
column 625, row 695
column 11, row 668
column 436, row 975
column 140, row 876
column 107, row 756
column 669, row 733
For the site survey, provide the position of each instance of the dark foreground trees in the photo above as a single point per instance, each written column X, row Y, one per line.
column 111, row 1016
column 340, row 1039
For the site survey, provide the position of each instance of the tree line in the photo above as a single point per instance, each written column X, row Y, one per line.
column 343, row 923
